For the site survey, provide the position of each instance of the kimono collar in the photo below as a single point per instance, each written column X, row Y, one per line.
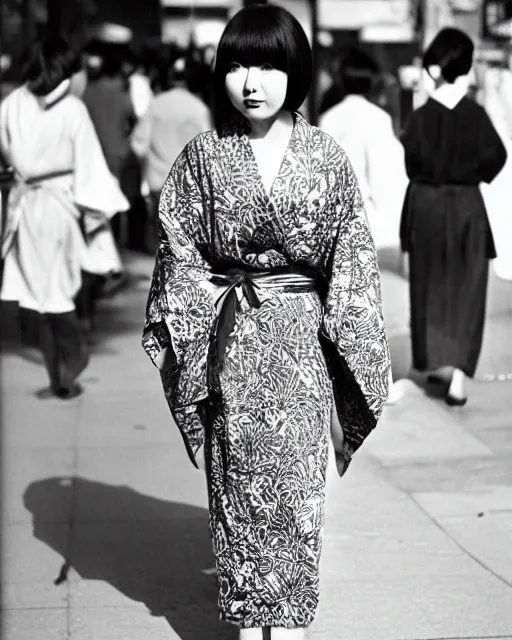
column 449, row 95
column 355, row 98
column 47, row 101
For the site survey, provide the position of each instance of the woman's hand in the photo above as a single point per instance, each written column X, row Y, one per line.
column 338, row 441
column 337, row 435
column 200, row 459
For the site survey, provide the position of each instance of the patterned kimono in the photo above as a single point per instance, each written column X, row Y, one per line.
column 261, row 403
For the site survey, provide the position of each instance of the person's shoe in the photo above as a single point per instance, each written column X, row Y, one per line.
column 453, row 401
column 435, row 380
column 455, row 396
column 68, row 393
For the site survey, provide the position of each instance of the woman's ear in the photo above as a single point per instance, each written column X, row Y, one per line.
column 434, row 71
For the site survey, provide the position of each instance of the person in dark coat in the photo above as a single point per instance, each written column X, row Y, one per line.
column 451, row 147
column 109, row 104
column 112, row 112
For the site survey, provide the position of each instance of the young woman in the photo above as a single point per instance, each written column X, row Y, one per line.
column 450, row 148
column 62, row 182
column 265, row 302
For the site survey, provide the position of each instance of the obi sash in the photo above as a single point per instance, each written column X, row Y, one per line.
column 287, row 280
column 15, row 203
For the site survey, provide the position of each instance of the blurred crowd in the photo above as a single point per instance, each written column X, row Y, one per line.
column 89, row 137
column 133, row 114
column 145, row 108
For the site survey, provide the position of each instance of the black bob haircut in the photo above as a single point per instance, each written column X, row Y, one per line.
column 47, row 63
column 451, row 50
column 260, row 34
column 358, row 72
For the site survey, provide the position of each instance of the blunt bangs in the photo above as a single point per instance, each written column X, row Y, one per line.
column 255, row 35
column 249, row 41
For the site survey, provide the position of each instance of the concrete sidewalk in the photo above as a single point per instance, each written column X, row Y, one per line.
column 99, row 493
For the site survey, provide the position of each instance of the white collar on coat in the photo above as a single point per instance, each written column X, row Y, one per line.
column 55, row 95
column 449, row 95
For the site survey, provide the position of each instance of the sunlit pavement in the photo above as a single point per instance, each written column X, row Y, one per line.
column 99, row 493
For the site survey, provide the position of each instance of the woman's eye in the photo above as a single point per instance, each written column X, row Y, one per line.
column 266, row 66
column 234, row 66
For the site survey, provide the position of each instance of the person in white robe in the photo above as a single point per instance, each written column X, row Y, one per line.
column 63, row 197
column 365, row 132
column 173, row 118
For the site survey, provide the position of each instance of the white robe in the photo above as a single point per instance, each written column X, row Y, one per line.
column 365, row 133
column 44, row 248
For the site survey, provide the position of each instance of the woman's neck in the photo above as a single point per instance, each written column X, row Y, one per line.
column 272, row 129
column 45, row 102
column 450, row 94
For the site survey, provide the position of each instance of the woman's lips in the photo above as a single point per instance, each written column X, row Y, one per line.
column 252, row 104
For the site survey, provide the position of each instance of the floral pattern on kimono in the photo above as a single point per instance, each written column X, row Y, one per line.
column 264, row 415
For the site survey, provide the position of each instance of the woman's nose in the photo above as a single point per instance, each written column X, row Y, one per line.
column 251, row 81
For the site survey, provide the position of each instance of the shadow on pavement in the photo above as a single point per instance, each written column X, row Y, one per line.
column 150, row 550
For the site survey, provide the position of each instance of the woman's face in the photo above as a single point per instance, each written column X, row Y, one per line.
column 257, row 92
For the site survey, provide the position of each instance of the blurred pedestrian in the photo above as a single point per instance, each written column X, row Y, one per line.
column 265, row 258
column 139, row 85
column 365, row 132
column 172, row 119
column 109, row 104
column 451, row 147
column 62, row 181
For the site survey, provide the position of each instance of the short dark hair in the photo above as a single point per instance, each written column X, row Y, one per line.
column 358, row 72
column 258, row 34
column 452, row 50
column 47, row 63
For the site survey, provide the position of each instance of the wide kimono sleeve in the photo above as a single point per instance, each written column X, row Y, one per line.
column 180, row 311
column 353, row 334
